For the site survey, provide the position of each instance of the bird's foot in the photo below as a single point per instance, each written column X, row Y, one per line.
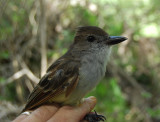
column 94, row 117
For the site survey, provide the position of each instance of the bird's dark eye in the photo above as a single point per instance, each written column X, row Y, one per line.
column 91, row 38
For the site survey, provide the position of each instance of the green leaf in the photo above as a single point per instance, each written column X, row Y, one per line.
column 2, row 79
column 4, row 55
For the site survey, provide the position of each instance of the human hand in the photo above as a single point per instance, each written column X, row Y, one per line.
column 59, row 114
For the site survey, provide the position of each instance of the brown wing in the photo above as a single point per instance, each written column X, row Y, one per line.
column 61, row 78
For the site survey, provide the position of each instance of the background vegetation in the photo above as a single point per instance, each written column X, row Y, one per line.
column 34, row 33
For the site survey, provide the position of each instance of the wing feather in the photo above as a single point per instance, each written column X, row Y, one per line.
column 61, row 79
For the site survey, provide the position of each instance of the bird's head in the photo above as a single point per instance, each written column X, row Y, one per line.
column 91, row 38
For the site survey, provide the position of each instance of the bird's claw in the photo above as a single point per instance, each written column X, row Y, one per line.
column 94, row 117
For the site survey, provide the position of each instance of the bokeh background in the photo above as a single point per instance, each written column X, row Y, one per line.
column 34, row 33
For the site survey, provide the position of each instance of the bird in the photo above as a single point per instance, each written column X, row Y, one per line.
column 77, row 72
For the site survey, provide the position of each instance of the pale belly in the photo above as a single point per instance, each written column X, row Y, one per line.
column 90, row 74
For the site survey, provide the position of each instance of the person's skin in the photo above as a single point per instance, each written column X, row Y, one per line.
column 59, row 114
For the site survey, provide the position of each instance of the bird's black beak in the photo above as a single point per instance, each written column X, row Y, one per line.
column 115, row 40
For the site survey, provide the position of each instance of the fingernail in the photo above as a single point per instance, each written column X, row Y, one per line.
column 92, row 98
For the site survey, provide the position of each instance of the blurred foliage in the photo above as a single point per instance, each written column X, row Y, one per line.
column 110, row 100
column 130, row 90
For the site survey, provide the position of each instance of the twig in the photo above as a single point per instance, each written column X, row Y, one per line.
column 31, row 76
column 42, row 28
column 29, row 85
column 16, row 76
column 19, row 74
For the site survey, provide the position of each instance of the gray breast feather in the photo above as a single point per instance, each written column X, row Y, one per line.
column 93, row 68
